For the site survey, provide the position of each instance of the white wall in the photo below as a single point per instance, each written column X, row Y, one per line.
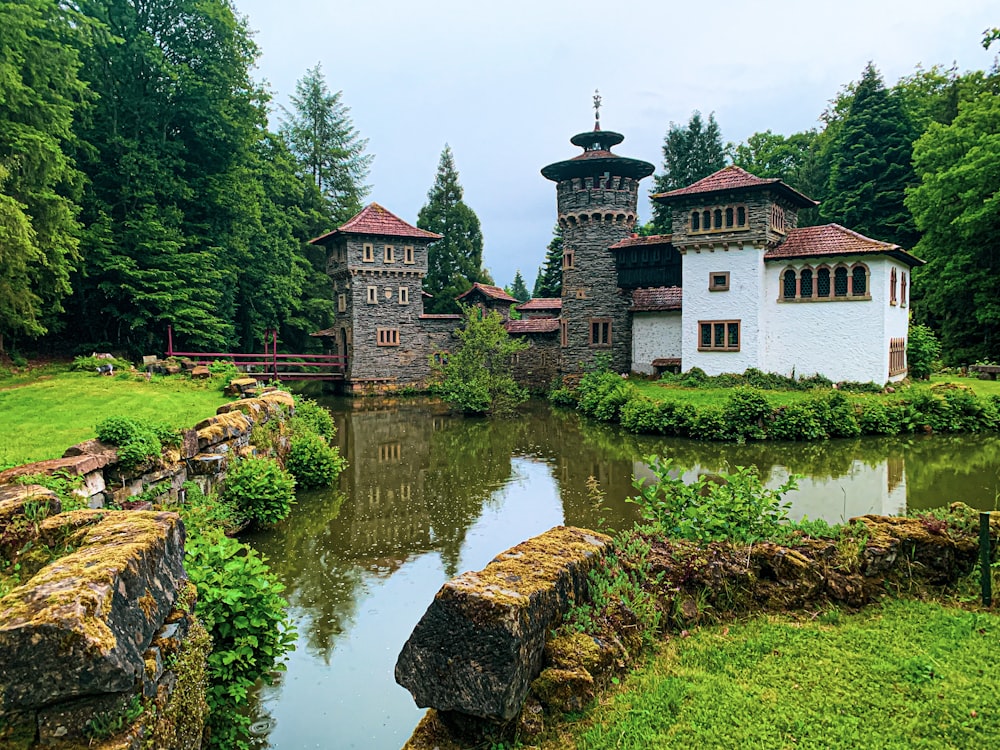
column 743, row 301
column 897, row 317
column 654, row 335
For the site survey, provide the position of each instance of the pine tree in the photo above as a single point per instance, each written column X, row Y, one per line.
column 548, row 283
column 320, row 133
column 455, row 261
column 870, row 165
column 689, row 153
column 518, row 289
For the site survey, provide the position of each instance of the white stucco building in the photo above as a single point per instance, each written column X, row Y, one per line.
column 755, row 290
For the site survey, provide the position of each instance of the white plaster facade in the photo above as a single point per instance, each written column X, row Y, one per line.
column 655, row 335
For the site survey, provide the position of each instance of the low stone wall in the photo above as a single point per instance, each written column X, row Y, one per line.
column 103, row 614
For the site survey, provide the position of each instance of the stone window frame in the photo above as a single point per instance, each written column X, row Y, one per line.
column 372, row 295
column 387, row 336
column 601, row 333
column 563, row 333
column 389, row 254
column 568, row 259
column 341, row 302
column 368, row 253
column 728, row 327
column 720, row 218
column 714, row 283
column 404, row 295
column 828, row 275
column 408, row 256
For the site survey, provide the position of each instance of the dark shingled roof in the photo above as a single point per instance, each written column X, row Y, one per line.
column 656, row 299
column 493, row 292
column 533, row 325
column 833, row 239
column 637, row 241
column 542, row 303
column 373, row 219
column 733, row 178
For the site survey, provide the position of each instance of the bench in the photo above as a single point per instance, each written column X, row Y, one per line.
column 986, row 372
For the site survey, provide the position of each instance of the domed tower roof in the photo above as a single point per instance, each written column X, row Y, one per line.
column 597, row 158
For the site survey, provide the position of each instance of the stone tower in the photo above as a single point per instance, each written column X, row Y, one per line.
column 596, row 194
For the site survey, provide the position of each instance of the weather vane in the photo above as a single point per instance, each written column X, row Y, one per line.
column 597, row 109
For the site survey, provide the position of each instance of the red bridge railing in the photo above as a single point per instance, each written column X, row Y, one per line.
column 270, row 363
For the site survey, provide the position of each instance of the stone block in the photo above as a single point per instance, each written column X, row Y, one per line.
column 189, row 443
column 221, row 428
column 200, row 372
column 207, row 464
column 480, row 643
column 80, row 626
column 67, row 721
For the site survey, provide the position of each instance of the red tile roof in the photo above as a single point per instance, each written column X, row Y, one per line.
column 636, row 241
column 325, row 333
column 542, row 303
column 532, row 325
column 493, row 292
column 656, row 299
column 734, row 178
column 833, row 239
column 373, row 219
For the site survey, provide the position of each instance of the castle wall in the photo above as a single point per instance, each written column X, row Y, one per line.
column 655, row 335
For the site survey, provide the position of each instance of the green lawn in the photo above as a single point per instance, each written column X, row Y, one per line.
column 905, row 675
column 41, row 418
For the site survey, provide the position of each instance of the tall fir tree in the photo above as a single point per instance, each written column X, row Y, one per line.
column 870, row 165
column 41, row 94
column 455, row 261
column 320, row 133
column 689, row 153
column 518, row 289
column 548, row 283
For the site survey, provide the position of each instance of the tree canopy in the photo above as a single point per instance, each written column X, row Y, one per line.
column 548, row 282
column 518, row 289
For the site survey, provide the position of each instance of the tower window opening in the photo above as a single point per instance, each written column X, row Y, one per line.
column 695, row 221
column 718, row 218
column 729, row 217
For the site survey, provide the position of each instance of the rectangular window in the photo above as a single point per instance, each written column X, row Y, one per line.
column 368, row 253
column 600, row 332
column 718, row 335
column 568, row 259
column 718, row 282
column 372, row 295
column 563, row 333
column 408, row 254
column 341, row 303
column 404, row 295
column 388, row 336
column 390, row 254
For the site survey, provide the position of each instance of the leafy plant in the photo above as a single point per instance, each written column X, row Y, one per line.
column 260, row 489
column 922, row 351
column 138, row 440
column 313, row 462
column 314, row 417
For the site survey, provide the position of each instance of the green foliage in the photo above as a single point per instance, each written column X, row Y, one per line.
column 746, row 414
column 240, row 604
column 62, row 484
column 259, row 489
column 455, row 261
column 223, row 371
column 548, row 283
column 797, row 422
column 735, row 507
column 90, row 364
column 314, row 418
column 138, row 440
column 922, row 350
column 477, row 379
column 313, row 462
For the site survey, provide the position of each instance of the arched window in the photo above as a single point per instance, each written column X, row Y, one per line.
column 706, row 219
column 718, row 218
column 695, row 221
column 892, row 287
column 840, row 281
column 729, row 217
column 741, row 216
column 806, row 283
column 859, row 281
column 823, row 282
column 788, row 284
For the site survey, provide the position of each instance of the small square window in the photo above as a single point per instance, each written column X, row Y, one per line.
column 404, row 295
column 408, row 254
column 368, row 253
column 718, row 281
column 372, row 295
column 388, row 336
column 390, row 254
column 600, row 332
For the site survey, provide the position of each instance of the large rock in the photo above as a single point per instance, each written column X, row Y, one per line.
column 479, row 645
column 81, row 624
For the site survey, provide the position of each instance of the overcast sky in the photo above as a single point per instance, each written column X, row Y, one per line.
column 507, row 82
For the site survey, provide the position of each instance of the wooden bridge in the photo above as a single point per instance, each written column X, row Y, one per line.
column 270, row 363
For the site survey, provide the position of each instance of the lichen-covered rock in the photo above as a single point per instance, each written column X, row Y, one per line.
column 221, row 428
column 479, row 645
column 82, row 623
column 564, row 690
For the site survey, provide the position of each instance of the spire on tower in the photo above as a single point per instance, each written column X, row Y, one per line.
column 597, row 110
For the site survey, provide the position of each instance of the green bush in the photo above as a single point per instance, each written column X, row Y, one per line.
column 313, row 462
column 838, row 416
column 709, row 423
column 796, row 422
column 642, row 415
column 315, row 418
column 922, row 350
column 260, row 490
column 138, row 440
column 746, row 414
column 878, row 417
column 562, row 396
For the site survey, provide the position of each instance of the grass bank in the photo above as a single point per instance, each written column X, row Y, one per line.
column 905, row 674
column 55, row 408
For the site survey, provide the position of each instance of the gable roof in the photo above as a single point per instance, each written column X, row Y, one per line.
column 542, row 303
column 735, row 179
column 491, row 292
column 656, row 299
column 532, row 325
column 637, row 241
column 373, row 219
column 833, row 239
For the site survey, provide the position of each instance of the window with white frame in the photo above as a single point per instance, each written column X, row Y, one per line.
column 408, row 254
column 368, row 253
column 404, row 295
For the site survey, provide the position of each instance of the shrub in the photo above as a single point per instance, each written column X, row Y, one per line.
column 563, row 396
column 641, row 414
column 224, row 371
column 138, row 440
column 880, row 418
column 315, row 418
column 313, row 462
column 746, row 413
column 796, row 422
column 260, row 490
column 838, row 416
column 922, row 349
column 709, row 423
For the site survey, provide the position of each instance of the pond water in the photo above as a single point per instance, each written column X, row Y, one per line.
column 428, row 495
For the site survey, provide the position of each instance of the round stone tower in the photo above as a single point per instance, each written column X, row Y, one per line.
column 596, row 193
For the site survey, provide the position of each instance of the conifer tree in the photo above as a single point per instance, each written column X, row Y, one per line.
column 329, row 149
column 689, row 153
column 870, row 165
column 518, row 289
column 455, row 261
column 548, row 283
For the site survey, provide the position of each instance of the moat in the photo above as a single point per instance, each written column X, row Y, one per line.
column 428, row 495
